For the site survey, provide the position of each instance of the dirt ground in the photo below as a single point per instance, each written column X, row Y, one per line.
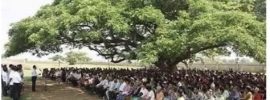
column 54, row 92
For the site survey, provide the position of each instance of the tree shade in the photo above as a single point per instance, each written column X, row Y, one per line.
column 162, row 32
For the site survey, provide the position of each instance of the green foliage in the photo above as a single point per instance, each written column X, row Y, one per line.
column 163, row 32
column 260, row 9
column 75, row 57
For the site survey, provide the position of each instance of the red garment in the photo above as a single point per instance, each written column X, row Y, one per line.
column 258, row 96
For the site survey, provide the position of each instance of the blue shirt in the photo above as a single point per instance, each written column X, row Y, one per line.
column 234, row 95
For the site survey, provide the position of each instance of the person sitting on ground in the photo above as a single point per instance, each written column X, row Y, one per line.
column 144, row 92
column 234, row 94
column 159, row 93
column 257, row 94
column 151, row 94
column 102, row 86
column 193, row 83
column 247, row 94
column 125, row 91
column 112, row 85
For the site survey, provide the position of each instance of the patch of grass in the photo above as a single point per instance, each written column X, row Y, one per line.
column 27, row 80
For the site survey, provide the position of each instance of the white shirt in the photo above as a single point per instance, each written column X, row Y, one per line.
column 212, row 85
column 4, row 76
column 117, row 85
column 34, row 72
column 70, row 75
column 77, row 76
column 102, row 83
column 144, row 91
column 211, row 98
column 58, row 73
column 122, row 86
column 151, row 95
column 111, row 85
column 224, row 95
column 181, row 98
column 91, row 80
column 15, row 76
column 179, row 83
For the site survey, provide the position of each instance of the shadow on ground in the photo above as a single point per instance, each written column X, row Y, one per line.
column 54, row 91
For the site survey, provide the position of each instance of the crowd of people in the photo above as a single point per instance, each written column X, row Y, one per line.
column 156, row 84
column 12, row 81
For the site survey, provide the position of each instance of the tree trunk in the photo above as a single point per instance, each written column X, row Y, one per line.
column 186, row 64
column 166, row 65
column 170, row 64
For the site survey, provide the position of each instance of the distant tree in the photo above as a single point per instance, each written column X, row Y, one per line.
column 75, row 57
column 57, row 58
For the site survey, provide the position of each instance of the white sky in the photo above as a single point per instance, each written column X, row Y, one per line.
column 16, row 10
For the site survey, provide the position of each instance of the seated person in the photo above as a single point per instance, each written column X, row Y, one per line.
column 125, row 92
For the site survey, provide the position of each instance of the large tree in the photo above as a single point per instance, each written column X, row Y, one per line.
column 162, row 32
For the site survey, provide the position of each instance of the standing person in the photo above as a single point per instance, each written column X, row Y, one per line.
column 34, row 78
column 20, row 71
column 15, row 81
column 4, row 80
column 10, row 84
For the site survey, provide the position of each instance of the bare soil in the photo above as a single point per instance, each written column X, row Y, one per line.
column 54, row 91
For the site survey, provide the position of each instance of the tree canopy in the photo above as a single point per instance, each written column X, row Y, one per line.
column 162, row 32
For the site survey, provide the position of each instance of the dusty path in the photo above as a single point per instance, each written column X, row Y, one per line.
column 55, row 92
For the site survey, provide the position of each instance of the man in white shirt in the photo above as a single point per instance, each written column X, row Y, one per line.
column 101, row 87
column 77, row 76
column 102, row 83
column 111, row 86
column 15, row 81
column 58, row 75
column 4, row 79
column 151, row 95
column 34, row 78
column 144, row 92
column 122, row 86
column 117, row 85
column 113, row 93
